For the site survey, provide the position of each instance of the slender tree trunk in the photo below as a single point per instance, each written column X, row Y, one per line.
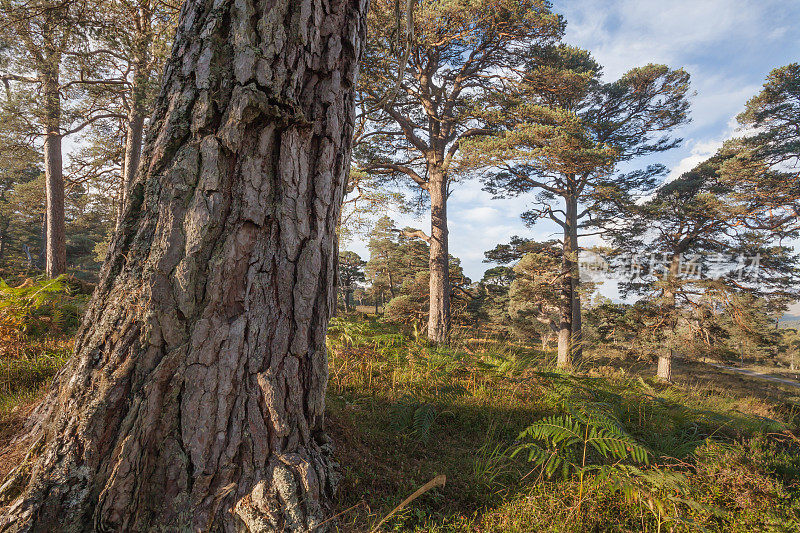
column 348, row 294
column 136, row 116
column 564, row 359
column 570, row 337
column 41, row 260
column 3, row 239
column 439, row 311
column 195, row 398
column 55, row 243
column 665, row 367
column 133, row 145
column 391, row 283
column 666, row 359
column 577, row 319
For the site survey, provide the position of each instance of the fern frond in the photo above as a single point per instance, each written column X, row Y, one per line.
column 424, row 417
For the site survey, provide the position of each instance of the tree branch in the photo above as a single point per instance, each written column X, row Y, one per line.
column 418, row 234
column 92, row 121
column 408, row 171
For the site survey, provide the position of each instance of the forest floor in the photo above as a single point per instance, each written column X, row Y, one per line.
column 723, row 448
column 402, row 413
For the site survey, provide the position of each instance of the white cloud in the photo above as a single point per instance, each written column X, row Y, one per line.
column 700, row 151
column 627, row 33
column 482, row 214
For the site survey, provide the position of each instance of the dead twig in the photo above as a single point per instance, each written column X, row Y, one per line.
column 438, row 481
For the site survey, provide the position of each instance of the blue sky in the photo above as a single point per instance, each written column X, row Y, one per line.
column 728, row 46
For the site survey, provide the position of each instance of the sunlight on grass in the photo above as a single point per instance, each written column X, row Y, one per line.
column 403, row 411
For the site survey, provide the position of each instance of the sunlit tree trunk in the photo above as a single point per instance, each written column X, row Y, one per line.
column 664, row 372
column 439, row 310
column 55, row 238
column 665, row 359
column 570, row 337
column 138, row 111
column 195, row 397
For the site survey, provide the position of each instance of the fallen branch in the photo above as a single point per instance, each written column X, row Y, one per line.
column 438, row 481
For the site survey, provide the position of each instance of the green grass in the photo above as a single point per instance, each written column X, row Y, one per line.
column 722, row 456
column 23, row 378
column 402, row 412
column 38, row 318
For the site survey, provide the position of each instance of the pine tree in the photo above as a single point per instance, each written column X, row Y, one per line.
column 40, row 33
column 762, row 167
column 688, row 251
column 196, row 395
column 534, row 295
column 351, row 272
column 561, row 132
column 419, row 119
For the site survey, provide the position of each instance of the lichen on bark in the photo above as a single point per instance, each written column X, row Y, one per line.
column 195, row 397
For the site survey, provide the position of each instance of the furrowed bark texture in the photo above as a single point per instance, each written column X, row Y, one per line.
column 439, row 289
column 195, row 398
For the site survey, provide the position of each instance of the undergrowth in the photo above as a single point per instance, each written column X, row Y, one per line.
column 526, row 448
column 38, row 319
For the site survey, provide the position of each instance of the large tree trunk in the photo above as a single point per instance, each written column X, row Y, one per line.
column 570, row 336
column 195, row 398
column 55, row 243
column 439, row 310
column 136, row 116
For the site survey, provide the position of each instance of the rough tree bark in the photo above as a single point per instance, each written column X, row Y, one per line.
column 55, row 243
column 570, row 336
column 439, row 262
column 136, row 116
column 195, row 397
